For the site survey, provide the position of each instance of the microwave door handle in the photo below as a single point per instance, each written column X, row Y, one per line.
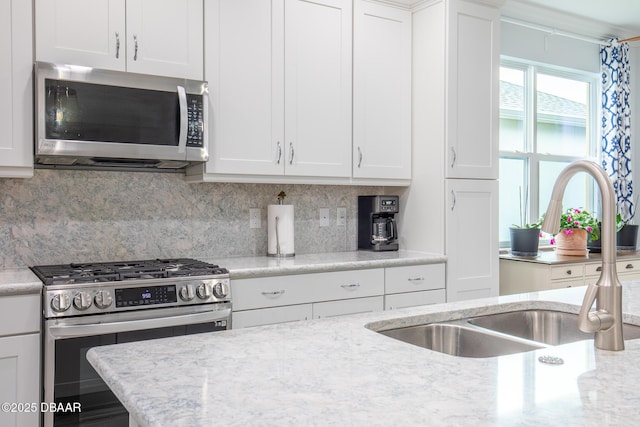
column 184, row 119
column 74, row 331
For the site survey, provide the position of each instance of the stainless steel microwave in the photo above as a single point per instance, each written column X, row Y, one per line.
column 99, row 119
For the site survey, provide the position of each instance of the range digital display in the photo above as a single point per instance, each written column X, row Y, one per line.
column 131, row 297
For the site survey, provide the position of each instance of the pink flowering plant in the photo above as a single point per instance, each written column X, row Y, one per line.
column 578, row 218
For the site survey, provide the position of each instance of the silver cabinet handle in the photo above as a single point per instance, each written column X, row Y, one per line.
column 117, row 45
column 291, row 153
column 279, row 151
column 453, row 156
column 273, row 293
column 359, row 156
column 415, row 279
column 184, row 119
column 453, row 200
column 135, row 47
column 350, row 286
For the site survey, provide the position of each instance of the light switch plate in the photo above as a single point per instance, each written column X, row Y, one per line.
column 324, row 217
column 341, row 217
column 254, row 218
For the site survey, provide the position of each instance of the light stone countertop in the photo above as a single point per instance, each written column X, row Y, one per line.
column 552, row 258
column 261, row 266
column 338, row 372
column 19, row 281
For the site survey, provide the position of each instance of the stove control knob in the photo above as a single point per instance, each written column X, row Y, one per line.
column 82, row 300
column 60, row 302
column 204, row 291
column 187, row 293
column 220, row 290
column 103, row 299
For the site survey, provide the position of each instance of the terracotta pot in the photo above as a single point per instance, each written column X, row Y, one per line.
column 573, row 244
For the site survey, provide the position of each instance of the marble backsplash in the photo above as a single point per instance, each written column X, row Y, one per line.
column 88, row 216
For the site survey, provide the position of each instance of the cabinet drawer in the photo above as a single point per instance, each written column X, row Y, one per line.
column 628, row 266
column 270, row 316
column 306, row 288
column 349, row 306
column 570, row 271
column 413, row 299
column 19, row 314
column 593, row 269
column 413, row 278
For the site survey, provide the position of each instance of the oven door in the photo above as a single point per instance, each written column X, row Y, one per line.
column 68, row 376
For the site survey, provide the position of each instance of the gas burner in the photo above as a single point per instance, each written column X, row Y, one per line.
column 124, row 270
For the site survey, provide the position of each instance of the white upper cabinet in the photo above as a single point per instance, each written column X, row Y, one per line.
column 472, row 91
column 381, row 91
column 318, row 67
column 279, row 76
column 163, row 37
column 16, row 104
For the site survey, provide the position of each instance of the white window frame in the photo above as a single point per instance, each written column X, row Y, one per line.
column 531, row 157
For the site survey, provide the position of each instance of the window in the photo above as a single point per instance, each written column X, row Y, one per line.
column 547, row 120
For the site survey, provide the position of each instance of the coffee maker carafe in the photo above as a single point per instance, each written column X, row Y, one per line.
column 377, row 229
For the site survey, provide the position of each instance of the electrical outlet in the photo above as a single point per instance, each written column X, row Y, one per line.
column 341, row 217
column 254, row 218
column 324, row 217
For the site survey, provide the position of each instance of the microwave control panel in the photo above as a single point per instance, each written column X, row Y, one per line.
column 195, row 134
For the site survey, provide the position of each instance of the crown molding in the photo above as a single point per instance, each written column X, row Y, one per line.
column 524, row 11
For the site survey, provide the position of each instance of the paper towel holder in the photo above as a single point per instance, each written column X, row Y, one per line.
column 278, row 252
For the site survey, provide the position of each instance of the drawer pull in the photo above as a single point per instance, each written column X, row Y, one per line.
column 599, row 268
column 569, row 272
column 415, row 279
column 629, row 266
column 273, row 293
column 350, row 286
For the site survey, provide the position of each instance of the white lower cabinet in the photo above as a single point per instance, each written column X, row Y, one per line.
column 20, row 359
column 280, row 299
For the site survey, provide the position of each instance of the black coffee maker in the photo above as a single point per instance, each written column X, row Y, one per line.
column 377, row 229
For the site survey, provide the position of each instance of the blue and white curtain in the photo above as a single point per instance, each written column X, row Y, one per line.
column 616, row 123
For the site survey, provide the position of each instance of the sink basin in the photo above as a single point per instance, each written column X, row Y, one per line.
column 544, row 326
column 500, row 334
column 459, row 340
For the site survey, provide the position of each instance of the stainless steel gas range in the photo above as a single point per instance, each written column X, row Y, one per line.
column 88, row 305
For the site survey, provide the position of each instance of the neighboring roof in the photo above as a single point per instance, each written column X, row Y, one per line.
column 511, row 99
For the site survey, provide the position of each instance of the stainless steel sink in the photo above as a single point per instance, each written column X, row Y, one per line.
column 499, row 334
column 545, row 326
column 458, row 340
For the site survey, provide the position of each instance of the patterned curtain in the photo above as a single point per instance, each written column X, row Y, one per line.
column 616, row 123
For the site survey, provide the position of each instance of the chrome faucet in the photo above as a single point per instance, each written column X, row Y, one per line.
column 606, row 320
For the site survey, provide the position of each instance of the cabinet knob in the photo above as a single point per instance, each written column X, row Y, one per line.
column 569, row 272
column 629, row 266
column 599, row 268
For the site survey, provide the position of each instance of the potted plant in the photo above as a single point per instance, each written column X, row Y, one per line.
column 576, row 226
column 524, row 237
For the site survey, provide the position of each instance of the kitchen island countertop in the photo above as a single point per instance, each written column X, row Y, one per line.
column 338, row 371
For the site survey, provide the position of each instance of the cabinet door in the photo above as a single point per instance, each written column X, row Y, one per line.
column 318, row 87
column 81, row 32
column 270, row 316
column 16, row 104
column 165, row 37
column 19, row 378
column 351, row 306
column 244, row 65
column 473, row 84
column 381, row 91
column 472, row 239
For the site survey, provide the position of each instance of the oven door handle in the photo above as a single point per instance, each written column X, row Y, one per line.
column 74, row 331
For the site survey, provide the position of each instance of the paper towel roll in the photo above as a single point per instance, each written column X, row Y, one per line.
column 284, row 236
